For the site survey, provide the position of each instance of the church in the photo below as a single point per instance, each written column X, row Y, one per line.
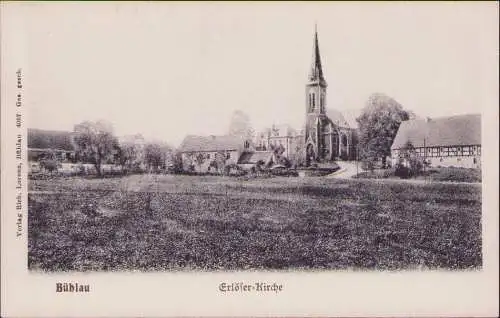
column 326, row 135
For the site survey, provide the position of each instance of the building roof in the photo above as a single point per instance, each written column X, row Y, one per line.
column 193, row 143
column 458, row 130
column 254, row 157
column 337, row 118
column 316, row 72
column 50, row 139
column 350, row 116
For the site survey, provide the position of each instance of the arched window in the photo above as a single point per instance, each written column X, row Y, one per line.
column 344, row 140
column 313, row 100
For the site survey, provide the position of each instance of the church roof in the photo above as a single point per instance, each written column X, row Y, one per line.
column 458, row 130
column 50, row 139
column 210, row 143
column 316, row 72
column 350, row 116
column 337, row 118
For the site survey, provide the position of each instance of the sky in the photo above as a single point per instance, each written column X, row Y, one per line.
column 166, row 70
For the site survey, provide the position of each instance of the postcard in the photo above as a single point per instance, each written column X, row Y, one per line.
column 249, row 159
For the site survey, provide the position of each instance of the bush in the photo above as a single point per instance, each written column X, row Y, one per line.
column 50, row 165
column 402, row 171
column 367, row 165
column 285, row 162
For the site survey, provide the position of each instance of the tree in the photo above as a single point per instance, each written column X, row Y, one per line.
column 410, row 164
column 175, row 163
column 129, row 156
column 378, row 124
column 131, row 153
column 48, row 161
column 50, row 165
column 221, row 160
column 152, row 156
column 95, row 143
column 156, row 155
column 240, row 125
column 200, row 159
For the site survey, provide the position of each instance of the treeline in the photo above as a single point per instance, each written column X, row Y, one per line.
column 95, row 143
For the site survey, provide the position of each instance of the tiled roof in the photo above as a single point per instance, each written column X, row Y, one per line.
column 443, row 131
column 50, row 139
column 254, row 157
column 211, row 143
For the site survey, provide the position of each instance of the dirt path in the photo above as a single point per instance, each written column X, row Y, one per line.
column 347, row 170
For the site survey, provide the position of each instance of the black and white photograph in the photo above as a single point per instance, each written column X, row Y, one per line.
column 191, row 138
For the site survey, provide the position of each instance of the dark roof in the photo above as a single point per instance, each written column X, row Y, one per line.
column 337, row 118
column 444, row 131
column 254, row 157
column 211, row 143
column 50, row 139
column 316, row 73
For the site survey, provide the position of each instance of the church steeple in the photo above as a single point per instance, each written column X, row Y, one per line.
column 316, row 72
column 316, row 84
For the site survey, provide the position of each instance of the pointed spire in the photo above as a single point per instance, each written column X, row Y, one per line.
column 316, row 72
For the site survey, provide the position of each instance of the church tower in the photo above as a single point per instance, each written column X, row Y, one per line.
column 316, row 117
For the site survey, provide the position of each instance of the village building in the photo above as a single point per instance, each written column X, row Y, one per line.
column 453, row 141
column 59, row 146
column 45, row 143
column 212, row 153
column 326, row 135
column 282, row 138
column 51, row 144
column 251, row 161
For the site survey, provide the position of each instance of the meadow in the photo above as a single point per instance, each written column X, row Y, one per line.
column 173, row 222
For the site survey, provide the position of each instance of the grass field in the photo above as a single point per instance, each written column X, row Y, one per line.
column 446, row 174
column 167, row 222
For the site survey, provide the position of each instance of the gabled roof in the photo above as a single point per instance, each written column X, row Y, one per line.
column 50, row 139
column 458, row 130
column 254, row 157
column 337, row 118
column 211, row 143
column 350, row 116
